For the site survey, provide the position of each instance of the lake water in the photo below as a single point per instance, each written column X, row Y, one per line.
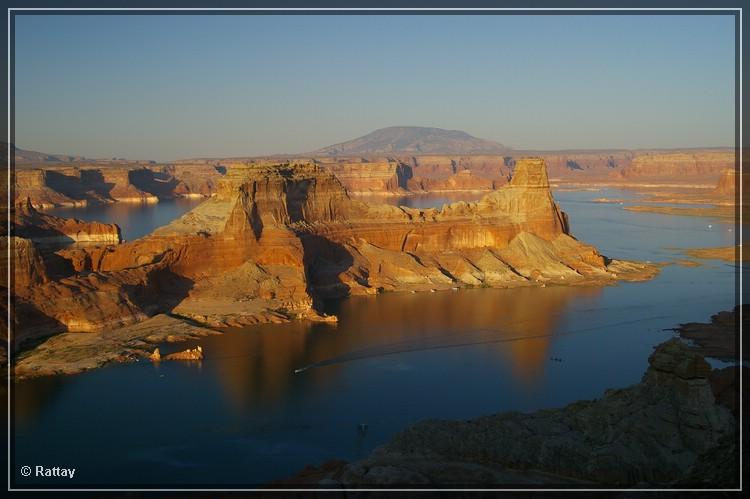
column 135, row 219
column 242, row 417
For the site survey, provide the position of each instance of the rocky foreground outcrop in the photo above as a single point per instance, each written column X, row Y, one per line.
column 276, row 238
column 717, row 338
column 667, row 429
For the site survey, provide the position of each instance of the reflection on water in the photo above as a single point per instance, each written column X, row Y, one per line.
column 256, row 365
column 243, row 416
column 135, row 219
column 29, row 403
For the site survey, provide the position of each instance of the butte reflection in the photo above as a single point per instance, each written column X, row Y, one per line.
column 256, row 365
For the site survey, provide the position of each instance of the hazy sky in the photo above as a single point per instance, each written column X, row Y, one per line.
column 168, row 87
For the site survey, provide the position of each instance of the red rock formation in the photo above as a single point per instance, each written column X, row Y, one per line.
column 360, row 176
column 464, row 180
column 706, row 166
column 194, row 180
column 457, row 173
column 189, row 354
column 123, row 190
column 585, row 165
column 27, row 264
column 727, row 184
column 32, row 184
column 78, row 184
column 441, row 173
column 276, row 237
column 50, row 230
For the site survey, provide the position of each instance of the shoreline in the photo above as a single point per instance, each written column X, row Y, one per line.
column 604, row 441
column 69, row 353
column 149, row 200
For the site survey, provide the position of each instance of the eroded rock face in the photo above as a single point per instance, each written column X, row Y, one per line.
column 584, row 165
column 514, row 236
column 360, row 176
column 27, row 264
column 193, row 180
column 728, row 184
column 189, row 354
column 706, row 165
column 32, row 184
column 457, row 173
column 275, row 238
column 83, row 183
column 426, row 173
column 718, row 338
column 652, row 432
column 49, row 230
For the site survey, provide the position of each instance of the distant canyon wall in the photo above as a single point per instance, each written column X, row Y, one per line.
column 444, row 173
column 707, row 166
column 80, row 185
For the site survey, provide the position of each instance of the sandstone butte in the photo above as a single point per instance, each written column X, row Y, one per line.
column 277, row 238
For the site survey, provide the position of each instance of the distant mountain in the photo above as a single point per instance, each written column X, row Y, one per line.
column 413, row 140
column 22, row 156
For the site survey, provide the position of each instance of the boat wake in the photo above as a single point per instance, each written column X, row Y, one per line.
column 475, row 337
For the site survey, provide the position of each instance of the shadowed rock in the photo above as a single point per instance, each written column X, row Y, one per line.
column 278, row 237
column 653, row 432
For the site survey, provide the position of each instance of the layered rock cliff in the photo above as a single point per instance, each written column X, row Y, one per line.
column 425, row 173
column 275, row 238
column 584, row 165
column 193, row 180
column 456, row 173
column 360, row 176
column 26, row 262
column 79, row 184
column 729, row 183
column 706, row 166
column 49, row 230
column 32, row 184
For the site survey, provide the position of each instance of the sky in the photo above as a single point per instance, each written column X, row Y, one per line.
column 181, row 86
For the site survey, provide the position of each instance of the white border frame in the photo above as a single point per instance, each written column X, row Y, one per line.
column 416, row 10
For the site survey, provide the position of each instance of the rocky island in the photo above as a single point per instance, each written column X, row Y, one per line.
column 277, row 238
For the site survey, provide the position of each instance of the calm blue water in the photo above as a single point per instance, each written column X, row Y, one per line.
column 135, row 220
column 243, row 417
